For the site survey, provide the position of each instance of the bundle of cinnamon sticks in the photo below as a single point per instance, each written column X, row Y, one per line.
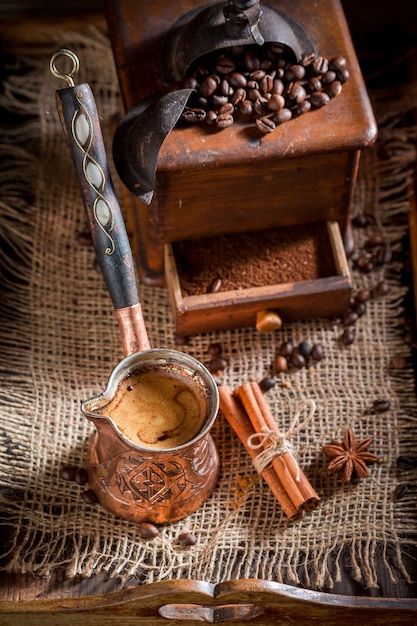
column 250, row 416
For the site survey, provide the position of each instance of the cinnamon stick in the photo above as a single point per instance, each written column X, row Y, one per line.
column 290, row 473
column 238, row 420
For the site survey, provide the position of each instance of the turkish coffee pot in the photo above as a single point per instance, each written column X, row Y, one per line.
column 168, row 471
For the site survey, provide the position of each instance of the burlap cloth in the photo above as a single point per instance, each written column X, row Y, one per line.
column 59, row 342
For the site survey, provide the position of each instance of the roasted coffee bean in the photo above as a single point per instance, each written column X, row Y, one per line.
column 89, row 497
column 280, row 117
column 67, row 472
column 187, row 539
column 253, row 94
column 319, row 99
column 81, row 476
column 203, row 103
column 338, row 63
column 320, row 65
column 190, row 83
column 225, row 65
column 251, row 61
column 297, row 360
column 286, row 348
column 266, row 84
column 224, row 120
column 295, row 72
column 214, row 348
column 297, row 93
column 215, row 286
column 225, row 88
column 218, row 100
column 363, row 295
column 348, row 336
column 381, row 405
column 265, row 124
column 406, row 463
column 300, row 109
column 227, row 108
column 148, row 530
column 267, row 383
column 359, row 308
column 401, row 490
column 365, row 264
column 208, row 87
column 217, row 363
column 238, row 96
column 246, row 108
column 201, row 70
column 266, row 65
column 382, row 288
column 193, row 116
column 350, row 318
column 334, row 89
column 362, row 261
column 304, row 348
column 211, row 117
column 252, row 84
column 276, row 102
column 280, row 364
column 278, row 87
column 307, row 59
column 314, row 84
column 342, row 75
column 328, row 77
column 260, row 106
column 398, row 363
column 277, row 48
column 317, row 352
column 257, row 75
column 236, row 79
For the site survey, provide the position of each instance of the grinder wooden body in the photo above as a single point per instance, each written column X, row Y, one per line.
column 234, row 181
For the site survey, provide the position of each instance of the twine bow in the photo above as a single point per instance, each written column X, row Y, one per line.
column 274, row 443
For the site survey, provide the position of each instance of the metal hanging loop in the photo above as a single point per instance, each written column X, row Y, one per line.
column 74, row 69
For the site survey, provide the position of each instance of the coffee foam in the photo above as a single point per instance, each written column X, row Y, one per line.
column 159, row 406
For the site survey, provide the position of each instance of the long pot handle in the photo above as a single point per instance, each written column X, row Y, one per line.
column 79, row 118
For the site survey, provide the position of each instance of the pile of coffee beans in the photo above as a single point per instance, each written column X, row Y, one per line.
column 296, row 357
column 80, row 476
column 260, row 83
column 217, row 362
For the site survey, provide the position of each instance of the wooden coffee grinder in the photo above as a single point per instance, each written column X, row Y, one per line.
column 184, row 182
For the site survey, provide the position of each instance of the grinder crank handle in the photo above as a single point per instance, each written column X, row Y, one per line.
column 79, row 118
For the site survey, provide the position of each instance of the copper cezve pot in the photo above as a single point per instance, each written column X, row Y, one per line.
column 152, row 457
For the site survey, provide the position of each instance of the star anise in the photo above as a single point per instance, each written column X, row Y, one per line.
column 350, row 457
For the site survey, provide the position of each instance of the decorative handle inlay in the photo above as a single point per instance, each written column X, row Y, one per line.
column 83, row 133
